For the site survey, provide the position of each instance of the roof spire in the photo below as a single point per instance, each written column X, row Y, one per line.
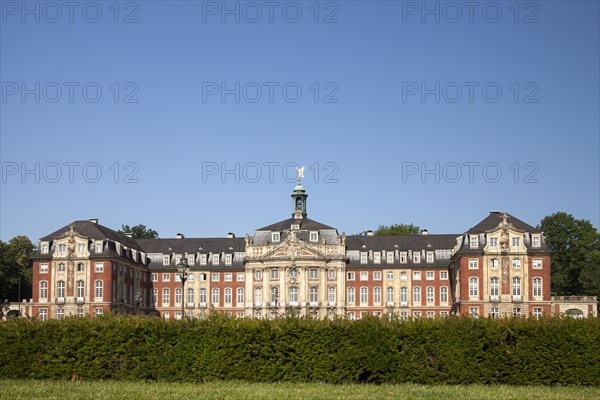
column 299, row 197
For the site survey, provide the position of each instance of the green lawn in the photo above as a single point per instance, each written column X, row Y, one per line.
column 13, row 390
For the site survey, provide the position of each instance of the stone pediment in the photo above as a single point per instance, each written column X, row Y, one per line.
column 293, row 249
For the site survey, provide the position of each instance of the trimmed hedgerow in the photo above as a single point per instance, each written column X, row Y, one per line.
column 549, row 351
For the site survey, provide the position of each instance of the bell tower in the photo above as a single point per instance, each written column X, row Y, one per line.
column 299, row 197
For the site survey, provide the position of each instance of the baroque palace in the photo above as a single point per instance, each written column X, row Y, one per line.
column 298, row 266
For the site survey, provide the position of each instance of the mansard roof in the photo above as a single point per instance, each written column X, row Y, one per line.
column 402, row 242
column 94, row 231
column 305, row 224
column 492, row 221
column 193, row 245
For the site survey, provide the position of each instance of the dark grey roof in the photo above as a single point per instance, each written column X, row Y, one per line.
column 94, row 231
column 193, row 245
column 495, row 218
column 402, row 242
column 305, row 224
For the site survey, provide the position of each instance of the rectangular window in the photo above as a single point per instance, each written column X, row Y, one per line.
column 215, row 277
column 377, row 257
column 228, row 277
column 166, row 260
column 350, row 276
column 44, row 248
column 390, row 296
column 403, row 296
column 417, row 296
column 493, row 242
column 430, row 256
column 444, row 314
column 98, row 247
column 364, row 295
column 166, row 277
column 389, row 275
column 429, row 275
column 61, row 267
column 430, row 314
column 403, row 257
column 79, row 312
column 178, row 296
column 516, row 242
column 473, row 263
column 314, row 236
column 537, row 287
column 516, row 287
column 403, row 276
column 154, row 296
column 98, row 312
column 535, row 241
column 80, row 267
column 473, row 286
column 98, row 293
column 60, row 289
column 516, row 312
column 203, row 259
column 190, row 260
column 43, row 290
column 228, row 296
column 331, row 295
column 215, row 297
column 416, row 257
column 215, row 259
column 43, row 314
column 494, row 263
column 430, row 296
column 537, row 263
column 364, row 275
column 313, row 273
column 363, row 258
column 537, row 313
column 80, row 290
column 474, row 241
column 417, row 314
column 294, row 294
column 516, row 263
column 99, row 267
column 166, row 300
column 275, row 237
column 43, row 268
column 351, row 295
column 494, row 288
column 240, row 277
column 444, row 294
column 416, row 275
column 191, row 278
column 377, row 275
column 203, row 297
column 474, row 312
column 313, row 295
column 377, row 295
column 240, row 296
column 444, row 275
column 228, row 258
column 390, row 257
column 495, row 312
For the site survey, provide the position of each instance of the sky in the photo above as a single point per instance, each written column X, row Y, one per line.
column 191, row 116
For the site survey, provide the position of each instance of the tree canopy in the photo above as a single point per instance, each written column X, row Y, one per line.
column 576, row 254
column 395, row 229
column 15, row 268
column 139, row 231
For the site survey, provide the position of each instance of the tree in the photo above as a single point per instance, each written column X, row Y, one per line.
column 15, row 268
column 576, row 254
column 395, row 229
column 139, row 231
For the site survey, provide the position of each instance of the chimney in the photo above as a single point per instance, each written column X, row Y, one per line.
column 230, row 235
column 94, row 220
column 369, row 233
column 424, row 232
column 179, row 236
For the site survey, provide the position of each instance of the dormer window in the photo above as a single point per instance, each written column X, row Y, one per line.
column 314, row 236
column 166, row 260
column 228, row 258
column 203, row 258
column 390, row 257
column 377, row 257
column 474, row 242
column 416, row 257
column 98, row 247
column 295, row 227
column 215, row 259
column 275, row 237
column 403, row 257
column 516, row 242
column 190, row 260
column 430, row 256
column 44, row 248
column 363, row 258
column 535, row 241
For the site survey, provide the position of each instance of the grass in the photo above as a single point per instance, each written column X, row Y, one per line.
column 29, row 389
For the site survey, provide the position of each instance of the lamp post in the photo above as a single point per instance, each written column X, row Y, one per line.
column 183, row 270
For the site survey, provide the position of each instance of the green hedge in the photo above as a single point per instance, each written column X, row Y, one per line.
column 451, row 351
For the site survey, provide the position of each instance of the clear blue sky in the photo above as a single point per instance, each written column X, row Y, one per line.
column 387, row 107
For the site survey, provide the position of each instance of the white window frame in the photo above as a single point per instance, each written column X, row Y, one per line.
column 228, row 277
column 44, row 268
column 537, row 263
column 377, row 257
column 417, row 296
column 364, row 258
column 417, row 257
column 403, row 257
column 430, row 295
column 416, row 275
column 443, row 294
column 536, row 241
column 473, row 263
column 215, row 277
column 429, row 275
column 228, row 259
column 351, row 295
column 351, row 275
column 215, row 297
column 389, row 257
column 473, row 286
column 444, row 275
column 313, row 236
column 474, row 241
column 275, row 237
column 99, row 267
column 537, row 286
column 429, row 255
column 364, row 275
